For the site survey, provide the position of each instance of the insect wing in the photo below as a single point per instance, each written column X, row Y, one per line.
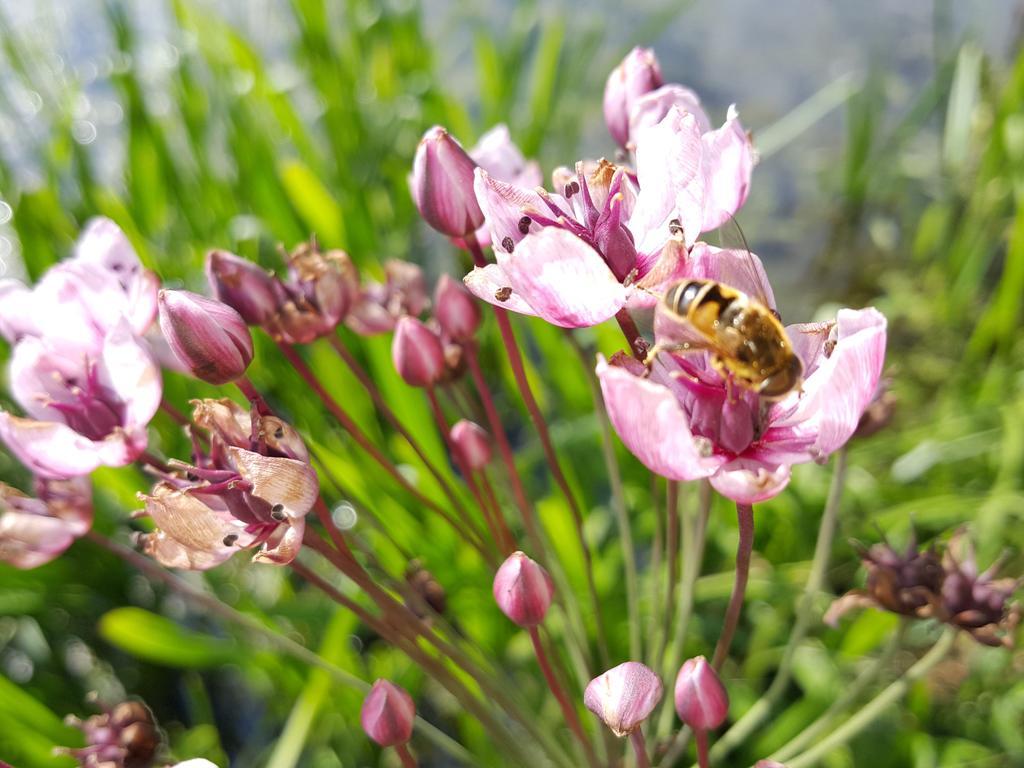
column 750, row 276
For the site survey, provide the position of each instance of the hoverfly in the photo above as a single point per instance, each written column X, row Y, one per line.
column 747, row 342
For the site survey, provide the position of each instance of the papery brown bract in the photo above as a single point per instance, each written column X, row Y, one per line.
column 978, row 603
column 523, row 590
column 125, row 736
column 322, row 287
column 701, row 700
column 624, row 696
column 388, row 713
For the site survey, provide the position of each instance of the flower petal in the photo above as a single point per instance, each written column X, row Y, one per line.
column 497, row 154
column 28, row 541
column 127, row 369
column 50, row 449
column 504, row 204
column 747, row 481
column 649, row 420
column 490, row 282
column 16, row 319
column 728, row 164
column 651, row 108
column 288, row 482
column 563, row 279
column 284, row 545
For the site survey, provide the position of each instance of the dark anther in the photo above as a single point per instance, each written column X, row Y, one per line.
column 524, row 224
column 277, row 512
column 279, row 433
column 675, row 227
column 508, row 244
column 503, row 294
column 575, row 187
column 230, row 539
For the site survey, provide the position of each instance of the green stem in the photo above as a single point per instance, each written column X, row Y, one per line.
column 850, row 694
column 296, row 650
column 877, row 706
column 760, row 710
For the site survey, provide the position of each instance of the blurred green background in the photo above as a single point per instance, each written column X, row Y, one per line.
column 892, row 142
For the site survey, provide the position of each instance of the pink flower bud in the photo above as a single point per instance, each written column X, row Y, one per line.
column 442, row 185
column 244, row 286
column 523, row 590
column 624, row 696
column 455, row 309
column 701, row 700
column 417, row 353
column 768, row 764
column 639, row 73
column 388, row 713
column 472, row 443
column 207, row 336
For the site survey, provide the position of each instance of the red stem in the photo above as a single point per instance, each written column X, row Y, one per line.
column 638, row 346
column 515, row 359
column 148, row 458
column 640, row 748
column 508, row 541
column 701, row 737
column 173, row 412
column 378, row 398
column 672, row 545
column 745, row 516
column 568, row 711
column 364, row 442
column 408, row 761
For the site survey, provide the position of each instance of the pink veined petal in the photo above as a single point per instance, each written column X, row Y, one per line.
column 103, row 245
column 649, row 420
column 127, row 370
column 735, row 267
column 504, row 205
column 497, row 154
column 284, row 545
column 671, row 265
column 50, row 449
column 563, row 279
column 171, row 553
column 651, row 108
column 842, row 386
column 487, row 283
column 669, row 169
column 290, row 483
column 122, row 446
column 728, row 165
column 748, row 481
column 28, row 541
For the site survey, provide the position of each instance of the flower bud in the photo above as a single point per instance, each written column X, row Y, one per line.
column 639, row 73
column 244, row 286
column 388, row 714
column 455, row 309
column 417, row 353
column 207, row 336
column 624, row 696
column 701, row 700
column 442, row 185
column 523, row 590
column 768, row 764
column 472, row 444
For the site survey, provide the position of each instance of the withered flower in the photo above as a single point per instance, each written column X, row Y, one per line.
column 252, row 487
column 321, row 289
column 976, row 602
column 380, row 305
column 125, row 736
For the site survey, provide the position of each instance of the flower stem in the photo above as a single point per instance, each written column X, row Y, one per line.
column 378, row 399
column 508, row 543
column 177, row 416
column 364, row 442
column 638, row 345
column 568, row 711
column 745, row 516
column 301, row 653
column 636, row 738
column 408, row 761
column 878, row 705
column 701, row 737
column 761, row 708
column 515, row 359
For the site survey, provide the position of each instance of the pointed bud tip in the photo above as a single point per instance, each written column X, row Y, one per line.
column 473, row 444
column 701, row 699
column 417, row 353
column 388, row 714
column 523, row 590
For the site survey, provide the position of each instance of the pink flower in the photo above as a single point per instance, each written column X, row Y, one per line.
column 442, row 184
column 87, row 406
column 576, row 258
column 624, row 696
column 208, row 337
column 34, row 531
column 388, row 714
column 683, row 420
column 637, row 74
column 523, row 590
column 701, row 700
column 251, row 488
column 83, row 298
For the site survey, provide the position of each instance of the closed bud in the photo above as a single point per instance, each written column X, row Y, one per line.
column 442, row 185
column 472, row 444
column 624, row 696
column 639, row 73
column 244, row 286
column 523, row 590
column 768, row 764
column 701, row 700
column 455, row 309
column 417, row 353
column 388, row 713
column 208, row 337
